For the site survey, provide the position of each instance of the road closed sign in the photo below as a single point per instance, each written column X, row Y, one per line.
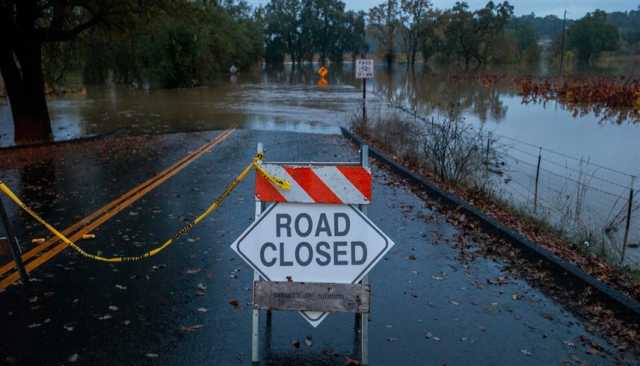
column 325, row 243
column 364, row 69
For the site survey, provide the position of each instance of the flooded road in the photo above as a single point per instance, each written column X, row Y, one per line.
column 292, row 100
column 275, row 100
column 190, row 305
column 588, row 157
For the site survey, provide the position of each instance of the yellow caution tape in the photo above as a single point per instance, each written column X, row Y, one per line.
column 284, row 184
column 255, row 164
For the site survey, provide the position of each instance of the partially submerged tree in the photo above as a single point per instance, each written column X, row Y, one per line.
column 592, row 35
column 384, row 22
column 25, row 27
column 302, row 29
column 413, row 18
column 470, row 35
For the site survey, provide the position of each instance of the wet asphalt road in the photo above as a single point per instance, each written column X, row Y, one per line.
column 174, row 309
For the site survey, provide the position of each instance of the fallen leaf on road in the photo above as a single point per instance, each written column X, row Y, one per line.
column 234, row 303
column 190, row 328
column 351, row 362
column 202, row 310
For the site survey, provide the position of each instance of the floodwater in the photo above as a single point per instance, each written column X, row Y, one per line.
column 294, row 100
column 575, row 144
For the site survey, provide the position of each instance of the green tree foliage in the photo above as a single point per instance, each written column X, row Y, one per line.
column 29, row 30
column 470, row 36
column 591, row 35
column 522, row 42
column 432, row 34
column 302, row 29
column 384, row 23
column 414, row 21
column 548, row 27
column 183, row 47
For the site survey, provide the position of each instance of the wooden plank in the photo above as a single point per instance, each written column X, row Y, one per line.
column 322, row 297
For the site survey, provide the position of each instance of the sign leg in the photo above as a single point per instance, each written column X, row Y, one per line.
column 364, row 334
column 12, row 241
column 267, row 342
column 255, row 319
column 255, row 330
column 364, row 319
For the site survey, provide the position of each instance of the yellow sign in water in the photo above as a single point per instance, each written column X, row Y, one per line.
column 323, row 72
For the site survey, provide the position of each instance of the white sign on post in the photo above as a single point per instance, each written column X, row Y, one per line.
column 364, row 69
column 301, row 242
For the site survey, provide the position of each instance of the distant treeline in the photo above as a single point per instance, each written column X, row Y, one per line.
column 181, row 43
column 171, row 43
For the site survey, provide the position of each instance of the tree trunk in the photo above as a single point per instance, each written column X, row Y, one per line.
column 22, row 72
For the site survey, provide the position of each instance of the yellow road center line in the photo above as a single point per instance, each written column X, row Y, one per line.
column 105, row 213
column 184, row 161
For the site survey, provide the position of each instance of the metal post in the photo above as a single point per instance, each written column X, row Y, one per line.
column 364, row 318
column 486, row 158
column 364, row 100
column 628, row 223
column 255, row 321
column 14, row 244
column 535, row 192
column 562, row 43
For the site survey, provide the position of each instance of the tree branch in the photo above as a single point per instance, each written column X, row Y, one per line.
column 53, row 35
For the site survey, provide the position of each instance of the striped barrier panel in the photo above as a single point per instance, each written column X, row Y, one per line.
column 339, row 184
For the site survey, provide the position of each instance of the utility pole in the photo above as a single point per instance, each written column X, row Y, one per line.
column 562, row 42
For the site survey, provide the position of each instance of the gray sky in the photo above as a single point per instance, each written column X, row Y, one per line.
column 575, row 8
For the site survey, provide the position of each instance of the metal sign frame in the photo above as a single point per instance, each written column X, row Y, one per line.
column 361, row 318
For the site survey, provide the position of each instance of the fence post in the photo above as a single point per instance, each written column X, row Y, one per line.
column 364, row 100
column 628, row 223
column 486, row 154
column 535, row 192
column 14, row 245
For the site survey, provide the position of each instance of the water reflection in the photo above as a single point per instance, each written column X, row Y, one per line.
column 295, row 99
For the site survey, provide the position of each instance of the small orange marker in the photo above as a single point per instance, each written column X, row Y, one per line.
column 323, row 72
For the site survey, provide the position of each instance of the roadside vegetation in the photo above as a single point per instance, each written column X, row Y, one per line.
column 180, row 43
column 467, row 162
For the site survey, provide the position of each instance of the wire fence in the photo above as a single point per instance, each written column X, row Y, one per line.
column 596, row 206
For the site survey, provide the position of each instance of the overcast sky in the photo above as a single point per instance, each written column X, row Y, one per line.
column 575, row 8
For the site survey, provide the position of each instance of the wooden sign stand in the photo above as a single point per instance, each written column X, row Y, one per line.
column 322, row 297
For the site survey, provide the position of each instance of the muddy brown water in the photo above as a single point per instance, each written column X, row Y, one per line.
column 294, row 100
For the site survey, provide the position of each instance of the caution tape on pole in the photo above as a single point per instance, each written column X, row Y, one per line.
column 255, row 164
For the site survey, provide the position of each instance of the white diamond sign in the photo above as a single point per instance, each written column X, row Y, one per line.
column 300, row 242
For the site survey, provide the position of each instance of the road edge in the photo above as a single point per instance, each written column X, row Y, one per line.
column 489, row 224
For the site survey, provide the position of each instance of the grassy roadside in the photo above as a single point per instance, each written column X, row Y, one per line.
column 462, row 176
